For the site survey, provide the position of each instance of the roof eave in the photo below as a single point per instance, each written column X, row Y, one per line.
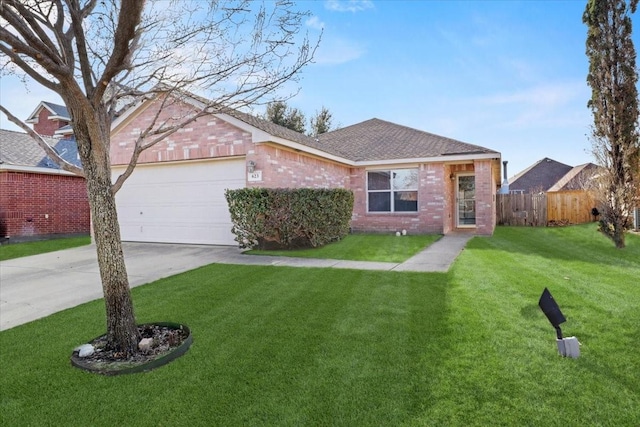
column 61, row 132
column 34, row 169
column 258, row 136
column 436, row 159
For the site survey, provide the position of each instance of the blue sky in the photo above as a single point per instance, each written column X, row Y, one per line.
column 506, row 75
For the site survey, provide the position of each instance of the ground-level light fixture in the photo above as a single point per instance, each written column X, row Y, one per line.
column 567, row 347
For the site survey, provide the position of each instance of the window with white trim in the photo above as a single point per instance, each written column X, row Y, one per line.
column 392, row 190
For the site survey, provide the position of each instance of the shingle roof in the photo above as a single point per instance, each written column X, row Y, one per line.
column 19, row 149
column 274, row 129
column 59, row 110
column 371, row 140
column 67, row 149
column 540, row 176
column 578, row 178
column 377, row 139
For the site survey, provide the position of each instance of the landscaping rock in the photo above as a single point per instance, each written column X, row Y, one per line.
column 85, row 350
column 145, row 344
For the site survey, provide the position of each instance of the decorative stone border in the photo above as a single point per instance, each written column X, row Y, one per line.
column 120, row 368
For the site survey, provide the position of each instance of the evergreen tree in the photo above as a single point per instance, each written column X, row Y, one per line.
column 321, row 122
column 280, row 113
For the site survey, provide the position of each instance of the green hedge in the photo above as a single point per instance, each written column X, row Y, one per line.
column 277, row 218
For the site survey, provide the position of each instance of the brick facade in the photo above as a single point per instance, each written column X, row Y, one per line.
column 437, row 201
column 34, row 204
column 435, row 198
column 485, row 197
column 282, row 167
column 204, row 138
column 46, row 126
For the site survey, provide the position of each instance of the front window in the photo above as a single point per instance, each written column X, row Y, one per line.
column 393, row 190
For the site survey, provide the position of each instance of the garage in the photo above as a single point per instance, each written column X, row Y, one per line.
column 179, row 202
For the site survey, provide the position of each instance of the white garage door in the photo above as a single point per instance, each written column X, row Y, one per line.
column 179, row 203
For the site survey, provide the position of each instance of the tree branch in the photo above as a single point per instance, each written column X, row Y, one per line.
column 77, row 18
column 39, row 78
column 126, row 32
column 63, row 164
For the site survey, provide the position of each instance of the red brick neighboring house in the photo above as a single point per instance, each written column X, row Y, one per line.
column 402, row 178
column 37, row 199
column 539, row 177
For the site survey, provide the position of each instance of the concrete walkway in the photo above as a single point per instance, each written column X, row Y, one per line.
column 40, row 285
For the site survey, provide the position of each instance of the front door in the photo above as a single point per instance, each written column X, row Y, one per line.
column 466, row 201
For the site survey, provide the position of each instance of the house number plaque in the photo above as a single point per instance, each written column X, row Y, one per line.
column 254, row 176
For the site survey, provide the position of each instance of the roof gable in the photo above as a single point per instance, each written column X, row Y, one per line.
column 57, row 112
column 578, row 178
column 540, row 176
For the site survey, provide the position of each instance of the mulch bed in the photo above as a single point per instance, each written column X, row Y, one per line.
column 165, row 340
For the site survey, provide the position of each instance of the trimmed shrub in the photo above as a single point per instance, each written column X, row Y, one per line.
column 283, row 218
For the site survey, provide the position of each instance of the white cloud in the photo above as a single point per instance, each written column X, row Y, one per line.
column 333, row 51
column 545, row 95
column 315, row 23
column 348, row 5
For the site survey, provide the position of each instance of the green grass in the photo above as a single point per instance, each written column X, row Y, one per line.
column 17, row 250
column 363, row 247
column 296, row 346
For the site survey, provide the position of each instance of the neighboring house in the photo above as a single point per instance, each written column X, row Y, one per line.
column 402, row 178
column 48, row 117
column 37, row 199
column 548, row 176
column 580, row 177
column 539, row 177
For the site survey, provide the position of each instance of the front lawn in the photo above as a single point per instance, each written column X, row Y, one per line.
column 297, row 346
column 363, row 247
column 17, row 250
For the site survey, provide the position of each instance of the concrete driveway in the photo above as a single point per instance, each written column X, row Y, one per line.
column 37, row 286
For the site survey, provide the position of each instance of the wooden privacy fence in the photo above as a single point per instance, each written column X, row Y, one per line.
column 573, row 206
column 521, row 209
column 539, row 210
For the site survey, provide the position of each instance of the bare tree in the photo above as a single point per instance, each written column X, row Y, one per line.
column 101, row 57
column 613, row 79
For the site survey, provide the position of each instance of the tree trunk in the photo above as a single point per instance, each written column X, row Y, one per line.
column 122, row 330
column 613, row 230
column 618, row 237
column 92, row 132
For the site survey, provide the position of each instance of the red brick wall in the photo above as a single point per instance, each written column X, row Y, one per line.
column 432, row 212
column 45, row 126
column 287, row 169
column 34, row 204
column 485, row 197
column 204, row 138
